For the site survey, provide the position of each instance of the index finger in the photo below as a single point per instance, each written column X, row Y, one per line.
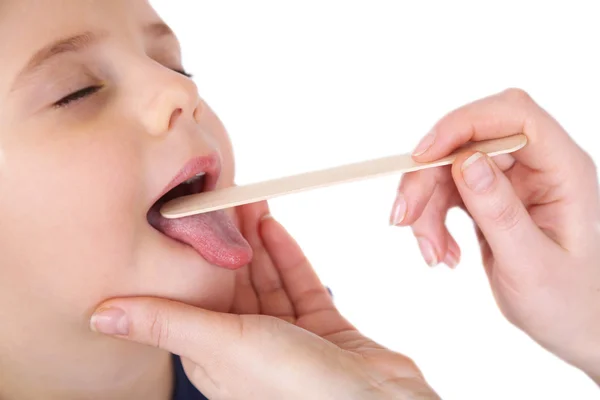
column 510, row 112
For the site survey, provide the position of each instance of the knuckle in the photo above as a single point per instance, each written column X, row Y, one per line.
column 505, row 214
column 407, row 367
column 518, row 96
column 268, row 323
column 411, row 365
column 249, row 326
column 589, row 164
column 585, row 166
column 158, row 328
column 259, row 329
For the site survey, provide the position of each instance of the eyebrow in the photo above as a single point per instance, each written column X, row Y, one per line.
column 80, row 42
column 71, row 44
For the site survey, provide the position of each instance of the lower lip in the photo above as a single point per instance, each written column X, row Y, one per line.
column 186, row 234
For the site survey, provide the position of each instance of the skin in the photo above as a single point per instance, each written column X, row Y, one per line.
column 538, row 220
column 67, row 242
column 539, row 229
column 60, row 169
column 284, row 340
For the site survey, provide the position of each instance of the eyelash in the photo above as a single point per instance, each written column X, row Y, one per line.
column 182, row 72
column 78, row 95
column 90, row 90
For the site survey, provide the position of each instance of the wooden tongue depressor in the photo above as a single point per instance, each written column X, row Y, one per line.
column 238, row 195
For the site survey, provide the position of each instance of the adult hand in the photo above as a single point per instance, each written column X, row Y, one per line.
column 537, row 214
column 300, row 347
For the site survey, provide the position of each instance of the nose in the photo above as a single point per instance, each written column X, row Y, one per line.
column 172, row 98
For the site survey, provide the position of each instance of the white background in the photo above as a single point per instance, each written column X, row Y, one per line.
column 311, row 84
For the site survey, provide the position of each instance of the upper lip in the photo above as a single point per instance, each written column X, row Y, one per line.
column 209, row 164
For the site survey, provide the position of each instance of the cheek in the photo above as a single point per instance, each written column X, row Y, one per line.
column 65, row 234
column 74, row 229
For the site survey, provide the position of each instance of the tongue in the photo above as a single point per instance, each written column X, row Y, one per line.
column 213, row 235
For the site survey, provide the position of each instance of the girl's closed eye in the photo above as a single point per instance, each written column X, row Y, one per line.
column 90, row 90
column 184, row 73
column 76, row 96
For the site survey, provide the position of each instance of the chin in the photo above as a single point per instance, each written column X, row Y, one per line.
column 216, row 297
column 175, row 271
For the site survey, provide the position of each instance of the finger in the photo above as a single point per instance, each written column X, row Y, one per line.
column 452, row 257
column 430, row 231
column 487, row 256
column 176, row 327
column 221, row 347
column 305, row 290
column 268, row 286
column 417, row 188
column 504, row 114
column 430, row 228
column 435, row 241
column 499, row 213
column 414, row 193
column 245, row 299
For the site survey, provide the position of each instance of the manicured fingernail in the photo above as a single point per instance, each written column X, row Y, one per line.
column 478, row 173
column 451, row 260
column 428, row 251
column 398, row 211
column 329, row 290
column 425, row 144
column 110, row 321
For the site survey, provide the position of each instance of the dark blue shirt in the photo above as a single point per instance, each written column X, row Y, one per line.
column 184, row 390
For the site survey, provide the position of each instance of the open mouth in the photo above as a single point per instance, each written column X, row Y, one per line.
column 194, row 185
column 213, row 235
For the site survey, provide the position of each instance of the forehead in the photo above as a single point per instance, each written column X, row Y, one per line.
column 27, row 25
column 32, row 18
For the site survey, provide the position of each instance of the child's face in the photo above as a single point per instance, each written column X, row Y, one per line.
column 77, row 180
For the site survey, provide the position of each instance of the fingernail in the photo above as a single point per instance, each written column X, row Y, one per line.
column 329, row 290
column 451, row 260
column 398, row 210
column 425, row 144
column 110, row 321
column 478, row 173
column 428, row 252
column 266, row 217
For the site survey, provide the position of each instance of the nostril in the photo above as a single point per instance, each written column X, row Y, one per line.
column 176, row 114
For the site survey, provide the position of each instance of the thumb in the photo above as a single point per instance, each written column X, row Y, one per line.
column 232, row 355
column 165, row 324
column 503, row 219
column 222, row 345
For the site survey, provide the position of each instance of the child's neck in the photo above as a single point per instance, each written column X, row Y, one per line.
column 148, row 376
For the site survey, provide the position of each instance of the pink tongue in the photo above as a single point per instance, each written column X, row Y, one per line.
column 213, row 235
